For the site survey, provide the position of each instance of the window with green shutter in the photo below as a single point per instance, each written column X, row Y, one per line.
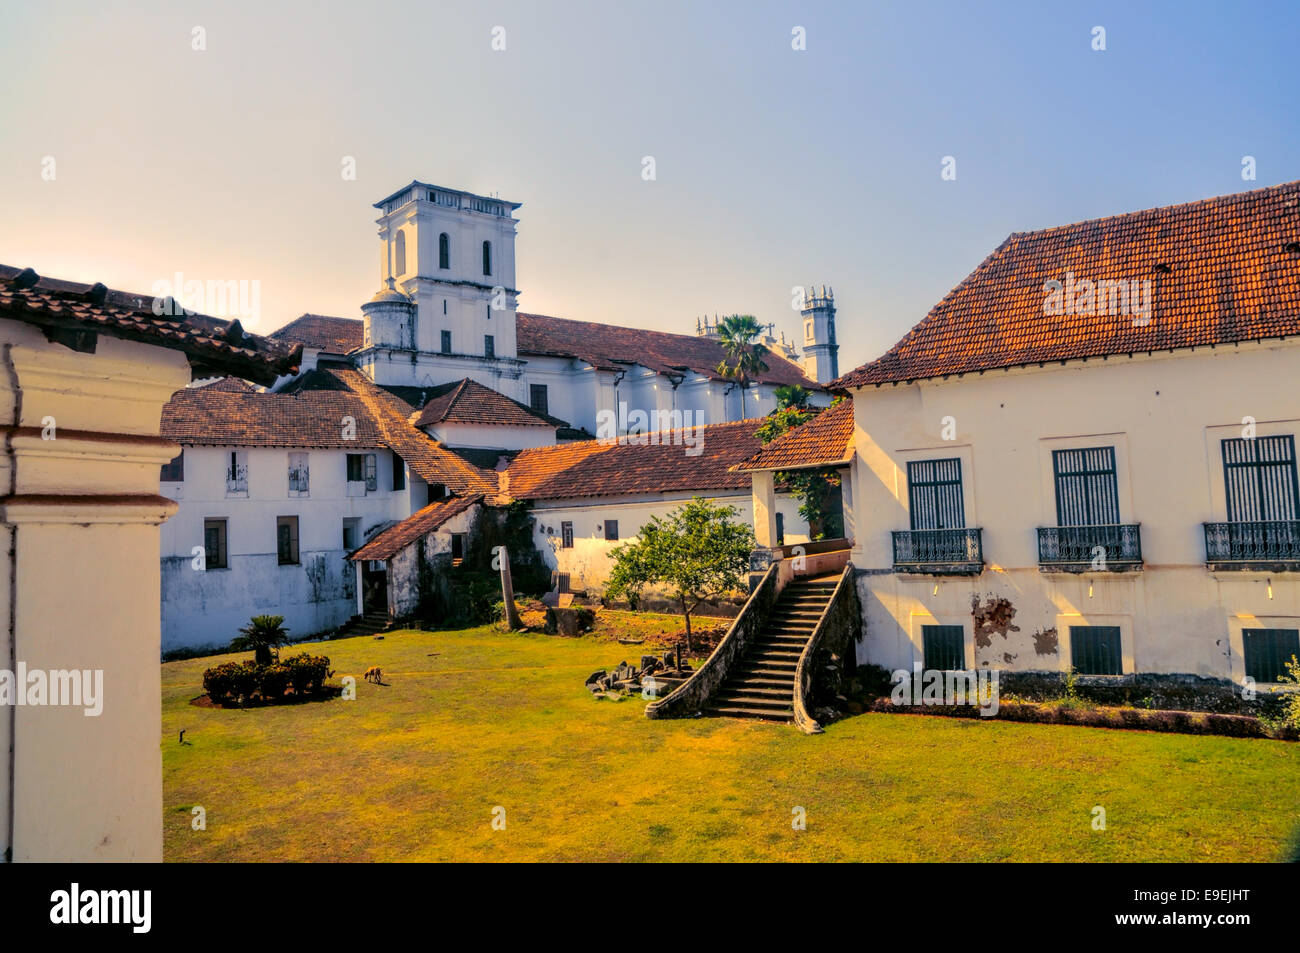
column 1095, row 650
column 944, row 647
column 1268, row 650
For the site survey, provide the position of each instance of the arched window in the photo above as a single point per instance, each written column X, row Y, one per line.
column 444, row 251
column 487, row 258
column 399, row 254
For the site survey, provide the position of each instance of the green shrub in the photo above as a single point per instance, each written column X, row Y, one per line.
column 307, row 673
column 238, row 682
column 272, row 680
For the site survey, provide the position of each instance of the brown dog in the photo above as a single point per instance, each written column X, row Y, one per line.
column 374, row 674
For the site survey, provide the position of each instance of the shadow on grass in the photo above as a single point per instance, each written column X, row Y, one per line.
column 328, row 693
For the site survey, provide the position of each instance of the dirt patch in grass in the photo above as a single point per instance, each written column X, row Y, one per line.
column 646, row 630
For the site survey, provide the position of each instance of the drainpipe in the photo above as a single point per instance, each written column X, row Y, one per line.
column 11, row 622
column 618, row 379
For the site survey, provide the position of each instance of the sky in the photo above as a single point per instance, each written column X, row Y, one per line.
column 129, row 155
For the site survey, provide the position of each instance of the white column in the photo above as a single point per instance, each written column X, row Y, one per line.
column 764, row 491
column 79, row 583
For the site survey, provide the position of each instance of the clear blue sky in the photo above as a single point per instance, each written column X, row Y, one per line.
column 775, row 167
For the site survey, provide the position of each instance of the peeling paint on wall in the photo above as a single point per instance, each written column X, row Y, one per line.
column 1046, row 641
column 993, row 617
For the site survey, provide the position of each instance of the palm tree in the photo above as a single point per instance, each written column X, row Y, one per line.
column 736, row 334
column 262, row 634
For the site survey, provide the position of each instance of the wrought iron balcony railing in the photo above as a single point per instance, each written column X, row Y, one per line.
column 939, row 551
column 1262, row 544
column 1108, row 548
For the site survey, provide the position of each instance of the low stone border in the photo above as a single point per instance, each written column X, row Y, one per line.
column 1134, row 719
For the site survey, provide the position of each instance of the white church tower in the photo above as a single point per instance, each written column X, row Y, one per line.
column 446, row 306
column 821, row 354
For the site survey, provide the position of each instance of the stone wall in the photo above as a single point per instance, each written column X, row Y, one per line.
column 830, row 654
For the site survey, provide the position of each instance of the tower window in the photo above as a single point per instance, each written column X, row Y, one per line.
column 489, row 346
column 487, row 258
column 446, row 342
column 444, row 305
column 444, row 252
column 399, row 267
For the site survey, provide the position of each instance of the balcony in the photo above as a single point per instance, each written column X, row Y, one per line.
column 1264, row 545
column 1109, row 548
column 946, row 552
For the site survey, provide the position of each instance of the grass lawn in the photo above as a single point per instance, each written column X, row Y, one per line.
column 473, row 720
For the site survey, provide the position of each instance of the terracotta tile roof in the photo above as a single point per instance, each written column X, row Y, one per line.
column 390, row 542
column 593, row 468
column 219, row 416
column 336, row 335
column 427, row 458
column 610, row 347
column 309, row 413
column 71, row 313
column 826, row 439
column 469, row 402
column 1222, row 270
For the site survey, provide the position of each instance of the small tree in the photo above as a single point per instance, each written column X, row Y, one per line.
column 698, row 552
column 262, row 635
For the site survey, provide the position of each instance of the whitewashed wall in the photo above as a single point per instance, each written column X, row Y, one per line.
column 1165, row 415
column 206, row 608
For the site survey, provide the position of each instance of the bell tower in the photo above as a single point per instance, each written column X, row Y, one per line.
column 452, row 254
column 821, row 353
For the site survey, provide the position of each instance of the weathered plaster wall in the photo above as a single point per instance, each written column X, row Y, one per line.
column 434, row 552
column 205, row 608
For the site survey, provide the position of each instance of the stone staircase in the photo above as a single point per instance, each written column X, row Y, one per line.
column 760, row 684
column 371, row 623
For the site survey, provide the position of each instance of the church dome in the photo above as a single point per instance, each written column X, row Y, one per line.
column 389, row 295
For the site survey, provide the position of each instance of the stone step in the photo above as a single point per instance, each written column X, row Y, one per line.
column 785, row 684
column 781, row 640
column 781, row 652
column 765, row 669
column 739, row 712
column 759, row 696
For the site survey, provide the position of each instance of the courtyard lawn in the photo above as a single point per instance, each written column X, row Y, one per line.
column 474, row 720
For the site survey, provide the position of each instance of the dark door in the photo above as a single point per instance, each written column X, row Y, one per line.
column 374, row 586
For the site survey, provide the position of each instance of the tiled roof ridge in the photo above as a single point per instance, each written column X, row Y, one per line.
column 214, row 344
column 1229, row 199
column 402, row 437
